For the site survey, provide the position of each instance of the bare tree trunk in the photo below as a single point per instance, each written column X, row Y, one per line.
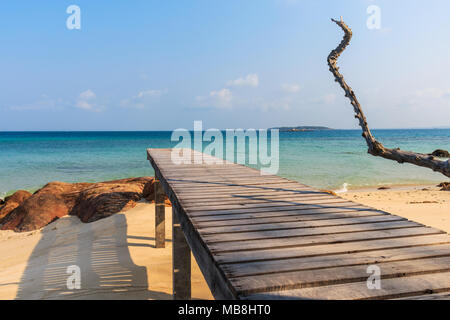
column 375, row 147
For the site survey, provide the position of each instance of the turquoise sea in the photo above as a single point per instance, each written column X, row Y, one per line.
column 323, row 159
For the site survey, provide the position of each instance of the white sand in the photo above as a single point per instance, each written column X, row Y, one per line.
column 430, row 207
column 116, row 256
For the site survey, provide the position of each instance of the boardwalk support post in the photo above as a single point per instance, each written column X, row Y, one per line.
column 181, row 255
column 160, row 226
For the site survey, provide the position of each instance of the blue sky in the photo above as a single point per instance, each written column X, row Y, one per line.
column 160, row 65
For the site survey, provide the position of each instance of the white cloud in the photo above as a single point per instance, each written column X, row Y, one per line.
column 251, row 80
column 433, row 93
column 143, row 98
column 85, row 101
column 218, row 99
column 290, row 88
column 150, row 93
column 87, row 95
column 223, row 95
column 82, row 104
column 222, row 98
column 424, row 99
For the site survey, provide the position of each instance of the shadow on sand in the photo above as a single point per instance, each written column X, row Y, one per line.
column 101, row 252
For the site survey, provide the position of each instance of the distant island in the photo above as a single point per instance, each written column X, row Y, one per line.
column 302, row 128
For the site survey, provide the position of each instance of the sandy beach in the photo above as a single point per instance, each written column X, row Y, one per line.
column 425, row 204
column 117, row 258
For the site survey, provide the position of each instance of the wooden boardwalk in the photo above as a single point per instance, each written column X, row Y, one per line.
column 265, row 237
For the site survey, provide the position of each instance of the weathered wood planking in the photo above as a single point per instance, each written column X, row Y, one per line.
column 265, row 237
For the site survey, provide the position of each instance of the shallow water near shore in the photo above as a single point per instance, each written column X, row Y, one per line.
column 323, row 159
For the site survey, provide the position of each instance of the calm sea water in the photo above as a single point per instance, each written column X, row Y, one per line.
column 324, row 159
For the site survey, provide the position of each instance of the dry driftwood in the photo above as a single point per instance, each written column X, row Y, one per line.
column 375, row 147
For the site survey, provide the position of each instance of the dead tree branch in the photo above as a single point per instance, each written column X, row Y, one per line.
column 375, row 147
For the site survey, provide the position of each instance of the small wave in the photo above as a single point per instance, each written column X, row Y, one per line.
column 343, row 188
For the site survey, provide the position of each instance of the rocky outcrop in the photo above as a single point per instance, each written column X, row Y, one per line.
column 12, row 202
column 103, row 199
column 88, row 201
column 441, row 153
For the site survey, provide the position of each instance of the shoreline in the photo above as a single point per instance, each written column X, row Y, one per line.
column 349, row 188
column 393, row 187
column 425, row 204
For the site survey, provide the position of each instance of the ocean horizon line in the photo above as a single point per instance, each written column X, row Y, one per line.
column 222, row 129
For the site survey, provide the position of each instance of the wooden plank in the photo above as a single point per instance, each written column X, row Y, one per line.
column 194, row 194
column 223, row 181
column 295, row 215
column 336, row 275
column 160, row 213
column 327, row 231
column 298, row 241
column 201, row 169
column 211, row 205
column 208, row 176
column 181, row 256
column 267, row 204
column 390, row 289
column 257, row 199
column 255, row 185
column 203, row 185
column 235, row 195
column 252, row 194
column 294, row 224
column 331, row 248
column 199, row 213
column 235, row 176
column 238, row 189
column 249, row 193
column 234, row 270
column 262, row 186
column 168, row 167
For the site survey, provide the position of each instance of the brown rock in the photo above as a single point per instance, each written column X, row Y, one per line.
column 46, row 205
column 88, row 201
column 101, row 200
column 12, row 202
column 36, row 212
